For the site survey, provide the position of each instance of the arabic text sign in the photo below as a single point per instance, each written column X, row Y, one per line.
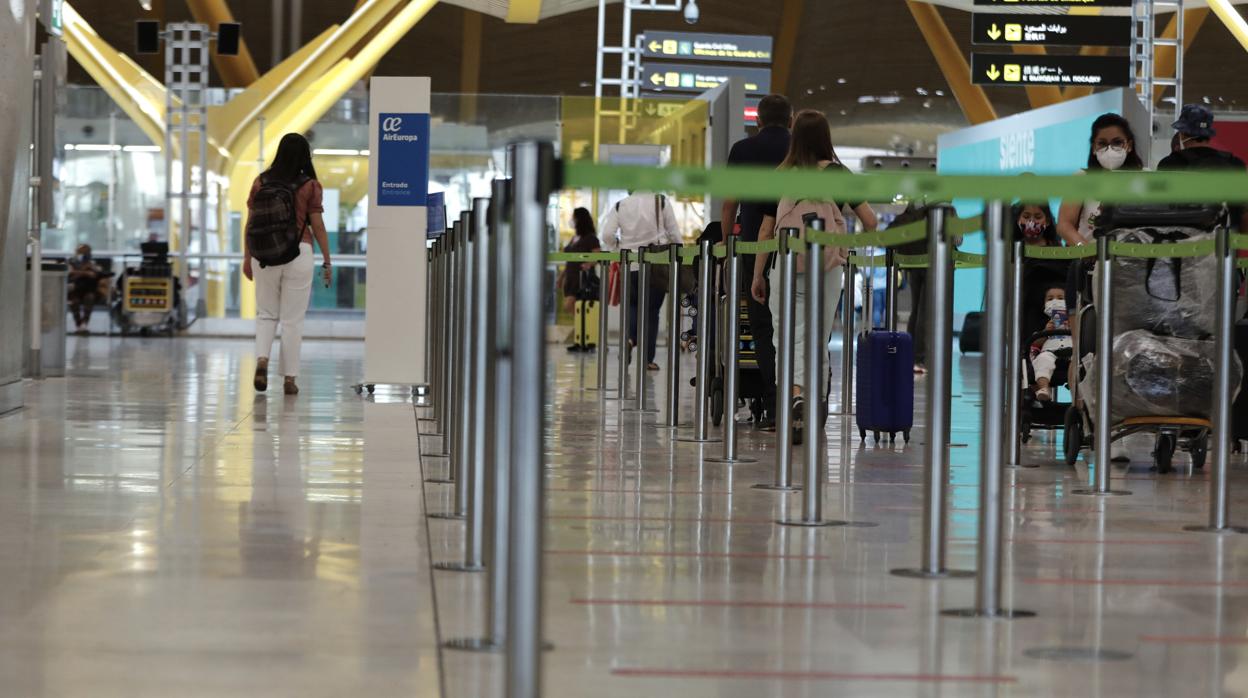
column 1053, row 30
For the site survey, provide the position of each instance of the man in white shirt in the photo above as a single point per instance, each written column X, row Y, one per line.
column 638, row 221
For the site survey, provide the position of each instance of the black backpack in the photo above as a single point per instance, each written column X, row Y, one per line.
column 273, row 229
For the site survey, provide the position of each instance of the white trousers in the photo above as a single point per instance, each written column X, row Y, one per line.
column 832, row 283
column 1044, row 364
column 282, row 295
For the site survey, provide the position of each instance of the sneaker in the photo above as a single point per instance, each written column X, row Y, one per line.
column 1044, row 394
column 767, row 423
column 652, row 366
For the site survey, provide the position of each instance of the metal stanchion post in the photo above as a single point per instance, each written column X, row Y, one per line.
column 643, row 334
column 460, row 407
column 939, row 309
column 706, row 311
column 604, row 304
column 988, row 578
column 625, row 310
column 497, row 426
column 732, row 352
column 478, row 393
column 1224, row 351
column 1104, row 371
column 442, row 398
column 1013, row 444
column 847, row 342
column 786, row 267
column 816, row 341
column 534, row 165
column 673, row 338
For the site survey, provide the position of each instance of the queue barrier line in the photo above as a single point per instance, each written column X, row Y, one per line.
column 755, row 183
column 757, row 248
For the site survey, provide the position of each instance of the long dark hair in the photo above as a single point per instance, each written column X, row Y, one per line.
column 293, row 160
column 1110, row 120
column 583, row 223
column 811, row 142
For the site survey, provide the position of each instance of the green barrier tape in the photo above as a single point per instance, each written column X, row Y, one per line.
column 719, row 251
column 961, row 227
column 1242, row 262
column 878, row 260
column 657, row 257
column 911, row 261
column 761, row 247
column 1054, row 252
column 1239, row 241
column 967, row 260
column 911, row 232
column 688, row 254
column 1195, row 248
column 756, row 183
column 582, row 257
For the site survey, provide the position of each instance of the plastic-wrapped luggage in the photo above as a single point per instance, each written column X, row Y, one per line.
column 1158, row 376
column 1168, row 296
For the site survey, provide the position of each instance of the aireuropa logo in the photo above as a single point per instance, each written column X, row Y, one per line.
column 392, row 131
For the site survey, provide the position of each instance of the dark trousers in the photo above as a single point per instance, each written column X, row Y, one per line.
column 763, row 332
column 917, row 325
column 652, row 314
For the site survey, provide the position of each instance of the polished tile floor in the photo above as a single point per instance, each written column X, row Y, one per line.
column 169, row 533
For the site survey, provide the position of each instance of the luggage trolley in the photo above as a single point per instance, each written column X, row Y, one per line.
column 146, row 297
column 1173, row 432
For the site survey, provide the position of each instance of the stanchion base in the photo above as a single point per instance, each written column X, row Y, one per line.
column 730, row 461
column 1089, row 492
column 427, row 419
column 457, row 567
column 1211, row 529
column 447, row 516
column 634, row 410
column 812, row 524
column 439, row 481
column 435, row 455
column 1000, row 613
column 696, row 440
column 918, row 573
column 1021, row 466
column 777, row 488
column 474, row 644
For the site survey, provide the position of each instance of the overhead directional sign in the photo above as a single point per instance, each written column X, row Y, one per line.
column 735, row 48
column 1022, row 70
column 680, row 77
column 1054, row 30
column 1053, row 3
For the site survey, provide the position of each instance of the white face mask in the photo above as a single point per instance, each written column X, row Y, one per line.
column 1111, row 158
column 1056, row 305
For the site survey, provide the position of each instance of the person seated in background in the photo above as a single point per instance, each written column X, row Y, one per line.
column 84, row 287
column 1046, row 352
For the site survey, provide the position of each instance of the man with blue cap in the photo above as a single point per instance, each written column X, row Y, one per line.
column 1194, row 130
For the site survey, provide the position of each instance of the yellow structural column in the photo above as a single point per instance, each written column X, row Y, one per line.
column 952, row 62
column 524, row 11
column 1232, row 19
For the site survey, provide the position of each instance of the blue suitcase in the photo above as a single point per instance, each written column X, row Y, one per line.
column 885, row 384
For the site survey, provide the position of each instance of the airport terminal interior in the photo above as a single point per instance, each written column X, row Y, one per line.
column 566, row 348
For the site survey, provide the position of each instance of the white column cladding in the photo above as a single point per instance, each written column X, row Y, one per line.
column 394, row 324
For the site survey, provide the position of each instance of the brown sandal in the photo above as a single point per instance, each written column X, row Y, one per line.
column 261, row 381
column 289, row 387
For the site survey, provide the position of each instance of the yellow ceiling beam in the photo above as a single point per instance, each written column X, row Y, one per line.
column 136, row 92
column 326, row 56
column 952, row 62
column 1234, row 21
column 786, row 44
column 470, row 66
column 524, row 11
column 235, row 71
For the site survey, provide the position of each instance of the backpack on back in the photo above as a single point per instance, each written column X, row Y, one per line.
column 798, row 214
column 273, row 227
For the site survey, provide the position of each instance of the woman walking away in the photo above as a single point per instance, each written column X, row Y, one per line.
column 810, row 148
column 283, row 216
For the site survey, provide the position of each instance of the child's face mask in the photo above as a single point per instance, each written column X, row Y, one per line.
column 1032, row 229
column 1053, row 306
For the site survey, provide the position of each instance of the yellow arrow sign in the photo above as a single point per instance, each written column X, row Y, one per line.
column 655, row 46
column 993, row 32
column 992, row 72
column 657, row 78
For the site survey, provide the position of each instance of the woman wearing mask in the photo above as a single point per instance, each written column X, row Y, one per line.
column 283, row 291
column 577, row 277
column 810, row 148
column 1112, row 148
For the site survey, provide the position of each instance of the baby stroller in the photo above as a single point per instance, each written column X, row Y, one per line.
column 1163, row 368
column 1039, row 276
column 732, row 308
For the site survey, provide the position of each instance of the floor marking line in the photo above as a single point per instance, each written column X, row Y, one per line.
column 644, row 672
column 741, row 603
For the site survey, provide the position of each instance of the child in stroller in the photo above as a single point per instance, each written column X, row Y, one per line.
column 1052, row 345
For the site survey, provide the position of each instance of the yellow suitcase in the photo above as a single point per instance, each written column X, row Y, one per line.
column 585, row 324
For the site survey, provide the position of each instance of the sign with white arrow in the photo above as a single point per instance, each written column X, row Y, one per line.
column 680, row 77
column 691, row 46
column 1054, row 3
column 993, row 29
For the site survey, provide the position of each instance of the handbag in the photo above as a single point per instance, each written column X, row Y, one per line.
column 613, row 283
